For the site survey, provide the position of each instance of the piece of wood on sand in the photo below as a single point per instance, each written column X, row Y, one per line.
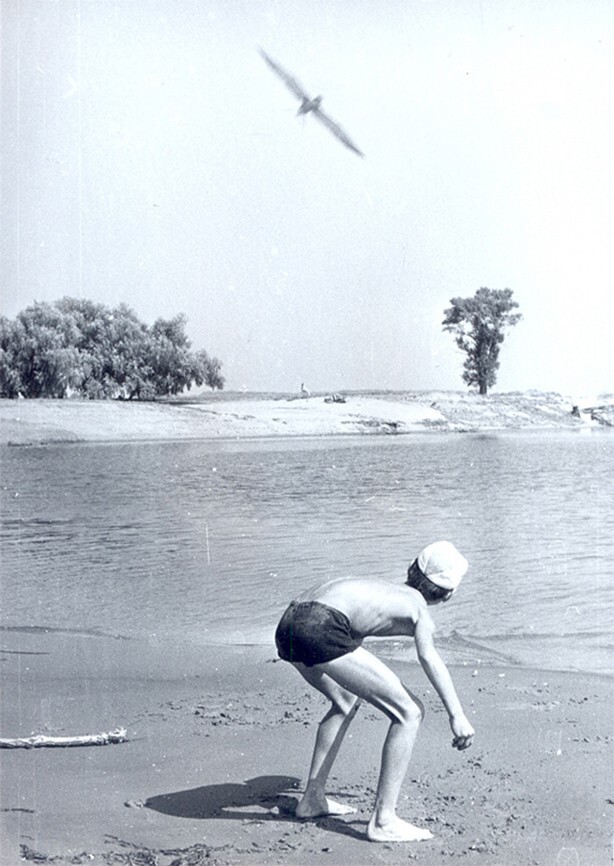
column 104, row 739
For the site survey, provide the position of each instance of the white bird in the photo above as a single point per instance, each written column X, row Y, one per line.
column 310, row 105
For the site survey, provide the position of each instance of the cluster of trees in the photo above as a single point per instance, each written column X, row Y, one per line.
column 76, row 346
column 479, row 325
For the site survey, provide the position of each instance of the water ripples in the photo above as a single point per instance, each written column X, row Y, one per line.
column 209, row 540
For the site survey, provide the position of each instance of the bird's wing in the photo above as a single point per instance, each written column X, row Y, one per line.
column 336, row 130
column 290, row 82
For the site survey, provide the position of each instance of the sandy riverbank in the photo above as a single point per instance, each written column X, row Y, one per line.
column 219, row 741
column 228, row 416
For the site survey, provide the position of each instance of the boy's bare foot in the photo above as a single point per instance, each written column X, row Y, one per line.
column 313, row 807
column 397, row 830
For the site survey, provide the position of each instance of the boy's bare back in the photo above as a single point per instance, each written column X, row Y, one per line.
column 374, row 607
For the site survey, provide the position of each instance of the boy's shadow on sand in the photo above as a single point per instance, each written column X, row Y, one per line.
column 263, row 798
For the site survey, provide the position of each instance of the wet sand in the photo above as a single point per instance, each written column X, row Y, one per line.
column 219, row 741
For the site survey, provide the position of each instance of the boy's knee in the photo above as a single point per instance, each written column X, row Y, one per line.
column 417, row 702
column 412, row 711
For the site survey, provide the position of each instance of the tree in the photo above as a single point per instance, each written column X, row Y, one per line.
column 76, row 345
column 208, row 371
column 478, row 324
column 10, row 380
column 39, row 355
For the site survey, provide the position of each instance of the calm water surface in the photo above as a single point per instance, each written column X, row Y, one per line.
column 207, row 541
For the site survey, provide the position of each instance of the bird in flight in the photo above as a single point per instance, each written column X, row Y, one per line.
column 310, row 105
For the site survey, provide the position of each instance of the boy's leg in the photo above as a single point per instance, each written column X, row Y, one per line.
column 362, row 674
column 331, row 732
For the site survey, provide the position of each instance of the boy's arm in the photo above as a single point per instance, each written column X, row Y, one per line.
column 438, row 674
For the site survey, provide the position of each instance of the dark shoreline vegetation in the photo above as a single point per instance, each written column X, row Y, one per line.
column 76, row 347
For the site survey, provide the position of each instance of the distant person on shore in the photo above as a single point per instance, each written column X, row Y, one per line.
column 321, row 634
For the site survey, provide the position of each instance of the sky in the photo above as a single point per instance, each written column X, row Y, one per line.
column 149, row 156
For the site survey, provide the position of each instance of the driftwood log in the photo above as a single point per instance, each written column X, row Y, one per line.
column 117, row 736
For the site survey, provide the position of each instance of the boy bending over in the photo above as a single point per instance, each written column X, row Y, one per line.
column 321, row 634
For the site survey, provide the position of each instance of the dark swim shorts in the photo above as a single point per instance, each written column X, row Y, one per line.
column 311, row 632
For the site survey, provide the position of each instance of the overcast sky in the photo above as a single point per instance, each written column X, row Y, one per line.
column 150, row 156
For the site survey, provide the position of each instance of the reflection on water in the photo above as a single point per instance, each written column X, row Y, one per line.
column 209, row 540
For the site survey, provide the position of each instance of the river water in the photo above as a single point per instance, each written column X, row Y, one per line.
column 207, row 541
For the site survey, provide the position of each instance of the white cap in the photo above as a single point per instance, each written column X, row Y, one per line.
column 442, row 564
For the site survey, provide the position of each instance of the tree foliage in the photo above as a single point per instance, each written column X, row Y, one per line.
column 79, row 346
column 478, row 324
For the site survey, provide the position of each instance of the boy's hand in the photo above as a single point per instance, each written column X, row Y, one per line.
column 463, row 732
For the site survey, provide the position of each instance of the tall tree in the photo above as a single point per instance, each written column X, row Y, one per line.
column 479, row 325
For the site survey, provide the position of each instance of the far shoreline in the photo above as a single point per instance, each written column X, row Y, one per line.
column 231, row 417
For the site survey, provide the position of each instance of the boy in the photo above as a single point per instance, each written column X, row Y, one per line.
column 321, row 634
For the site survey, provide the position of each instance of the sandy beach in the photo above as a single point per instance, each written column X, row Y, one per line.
column 219, row 740
column 248, row 416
